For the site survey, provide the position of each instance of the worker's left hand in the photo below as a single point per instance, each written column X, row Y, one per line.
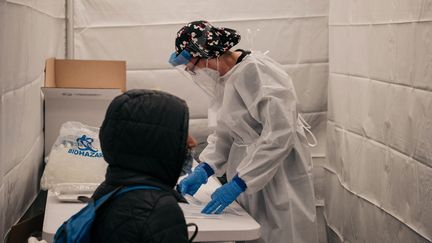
column 224, row 196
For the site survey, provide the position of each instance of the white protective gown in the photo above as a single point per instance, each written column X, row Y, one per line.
column 260, row 137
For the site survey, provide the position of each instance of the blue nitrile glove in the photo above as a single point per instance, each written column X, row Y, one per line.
column 225, row 195
column 192, row 182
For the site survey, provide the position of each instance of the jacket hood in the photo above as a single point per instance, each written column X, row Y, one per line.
column 146, row 131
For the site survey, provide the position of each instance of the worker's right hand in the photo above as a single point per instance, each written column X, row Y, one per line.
column 193, row 182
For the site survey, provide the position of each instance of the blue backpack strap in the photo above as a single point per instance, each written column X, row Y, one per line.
column 77, row 228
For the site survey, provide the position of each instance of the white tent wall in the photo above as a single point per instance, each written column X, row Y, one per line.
column 142, row 32
column 30, row 31
column 379, row 170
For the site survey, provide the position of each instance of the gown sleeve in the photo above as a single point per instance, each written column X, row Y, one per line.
column 216, row 152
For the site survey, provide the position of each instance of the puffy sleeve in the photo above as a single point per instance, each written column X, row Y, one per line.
column 271, row 100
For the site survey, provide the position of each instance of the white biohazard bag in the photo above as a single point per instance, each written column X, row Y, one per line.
column 75, row 157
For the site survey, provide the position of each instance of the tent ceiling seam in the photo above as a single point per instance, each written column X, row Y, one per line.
column 381, row 23
column 382, row 81
column 213, row 22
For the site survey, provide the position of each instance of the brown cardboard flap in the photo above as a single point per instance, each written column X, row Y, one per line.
column 50, row 72
column 90, row 74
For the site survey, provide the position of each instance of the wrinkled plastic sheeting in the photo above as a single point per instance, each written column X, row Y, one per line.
column 379, row 135
column 30, row 32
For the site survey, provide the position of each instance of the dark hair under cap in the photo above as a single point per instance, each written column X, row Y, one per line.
column 201, row 39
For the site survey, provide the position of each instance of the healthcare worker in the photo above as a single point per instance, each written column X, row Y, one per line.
column 259, row 138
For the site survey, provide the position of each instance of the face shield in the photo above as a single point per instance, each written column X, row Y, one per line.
column 197, row 49
column 208, row 79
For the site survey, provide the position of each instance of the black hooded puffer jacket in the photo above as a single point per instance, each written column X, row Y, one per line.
column 143, row 139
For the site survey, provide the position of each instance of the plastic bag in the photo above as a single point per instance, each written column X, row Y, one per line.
column 75, row 157
column 70, row 192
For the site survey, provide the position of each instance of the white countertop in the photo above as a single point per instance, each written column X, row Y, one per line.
column 226, row 227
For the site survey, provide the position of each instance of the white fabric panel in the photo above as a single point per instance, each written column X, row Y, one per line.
column 22, row 125
column 339, row 49
column 20, row 186
column 148, row 47
column 356, row 218
column 381, row 11
column 382, row 175
column 335, row 141
column 426, row 10
column 136, row 12
column 343, row 12
column 393, row 53
column 170, row 80
column 400, row 196
column 402, row 119
column 375, row 124
column 358, row 42
column 422, row 109
column 423, row 55
column 30, row 36
column 408, row 10
column 334, row 204
column 2, row 76
column 423, row 214
column 322, row 227
column 358, row 103
column 30, row 32
column 405, row 53
column 53, row 8
column 338, row 94
column 360, row 11
column 340, row 12
column 395, row 115
column 310, row 81
column 381, row 52
column 379, row 129
column 318, row 172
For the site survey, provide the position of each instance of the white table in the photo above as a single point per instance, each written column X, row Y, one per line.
column 228, row 227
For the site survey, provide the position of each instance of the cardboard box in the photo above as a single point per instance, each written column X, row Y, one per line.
column 79, row 90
